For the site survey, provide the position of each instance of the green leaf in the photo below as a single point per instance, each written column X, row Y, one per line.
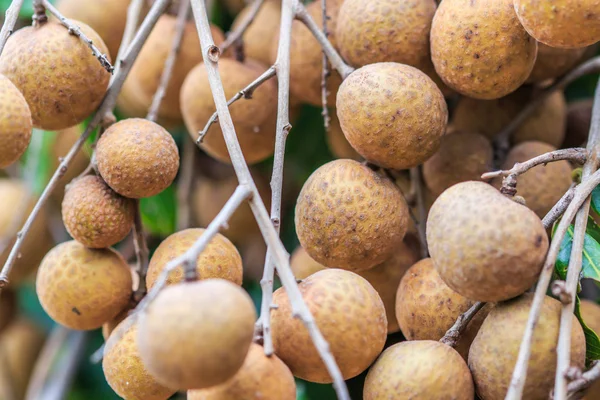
column 593, row 229
column 591, row 256
column 159, row 213
column 596, row 199
column 592, row 342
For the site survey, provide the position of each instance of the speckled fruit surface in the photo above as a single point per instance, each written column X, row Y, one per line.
column 15, row 123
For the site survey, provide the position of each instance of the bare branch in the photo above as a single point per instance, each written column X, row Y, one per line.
column 237, row 34
column 184, row 184
column 10, row 19
column 453, row 334
column 417, row 188
column 559, row 208
column 585, row 381
column 45, row 360
column 141, row 253
column 134, row 11
column 325, row 72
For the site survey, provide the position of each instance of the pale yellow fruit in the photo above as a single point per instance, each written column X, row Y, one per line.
column 15, row 123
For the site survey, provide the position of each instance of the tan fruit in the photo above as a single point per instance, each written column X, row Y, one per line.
column 467, row 54
column 463, row 156
column 63, row 142
column 562, row 23
column 370, row 31
column 546, row 124
column 94, row 214
column 441, row 374
column 8, row 307
column 590, row 312
column 220, row 259
column 355, row 330
column 20, row 345
column 83, row 288
column 349, row 217
column 543, row 185
column 260, row 378
column 484, row 245
column 106, row 17
column 15, row 123
column 494, row 352
column 257, row 38
column 392, row 114
column 148, row 67
column 553, row 62
column 579, row 118
column 30, row 61
column 123, row 367
column 337, row 142
column 304, row 265
column 137, row 158
column 197, row 334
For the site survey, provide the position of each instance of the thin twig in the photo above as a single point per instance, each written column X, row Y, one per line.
column 75, row 31
column 453, row 334
column 417, row 188
column 44, row 362
column 235, row 35
column 559, row 208
column 141, row 252
column 325, row 72
column 105, row 107
column 184, row 184
column 10, row 19
column 585, row 381
column 134, row 12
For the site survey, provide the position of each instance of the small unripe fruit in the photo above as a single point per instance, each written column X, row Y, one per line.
column 355, row 330
column 349, row 217
column 392, row 114
column 220, row 259
column 83, row 288
column 552, row 62
column 57, row 73
column 137, row 158
column 197, row 334
column 15, row 123
column 94, row 214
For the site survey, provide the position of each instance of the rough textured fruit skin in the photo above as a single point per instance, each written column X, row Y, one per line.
column 197, row 334
column 349, row 217
column 63, row 142
column 258, row 37
column 543, row 185
column 494, row 351
column 419, row 370
column 349, row 314
column 137, row 158
column 58, row 97
column 220, row 259
column 385, row 31
column 561, row 23
column 83, row 288
column 123, row 367
column 15, row 123
column 260, row 378
column 485, row 246
column 463, row 156
column 489, row 117
column 579, row 118
column 467, row 54
column 553, row 62
column 590, row 312
column 8, row 307
column 337, row 142
column 392, row 114
column 94, row 214
column 148, row 67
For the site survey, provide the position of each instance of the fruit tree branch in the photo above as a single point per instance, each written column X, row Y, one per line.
column 559, row 208
column 184, row 184
column 453, row 334
column 237, row 34
column 417, row 186
column 585, row 381
column 141, row 252
column 134, row 12
column 10, row 19
column 325, row 72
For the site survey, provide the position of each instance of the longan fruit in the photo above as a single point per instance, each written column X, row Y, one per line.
column 419, row 370
column 579, row 119
column 260, row 378
column 355, row 330
column 137, row 158
column 485, row 246
column 337, row 142
column 110, row 326
column 467, row 54
column 562, row 23
column 83, row 288
column 495, row 349
column 552, row 62
column 8, row 307
column 94, row 214
column 15, row 123
column 349, row 217
column 258, row 36
column 220, row 259
column 392, row 114
column 64, row 140
column 56, row 72
column 123, row 367
column 195, row 335
column 385, row 31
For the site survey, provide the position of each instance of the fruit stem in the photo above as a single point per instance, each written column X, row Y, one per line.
column 10, row 19
column 236, row 34
column 39, row 13
column 141, row 253
column 585, row 381
column 453, row 334
column 185, row 183
column 559, row 208
column 417, row 185
column 325, row 72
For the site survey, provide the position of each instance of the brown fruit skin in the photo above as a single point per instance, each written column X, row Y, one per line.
column 543, row 185
column 197, row 334
column 123, row 368
column 220, row 259
column 63, row 142
column 258, row 37
column 441, row 374
column 83, row 288
column 370, row 32
column 148, row 67
column 337, row 142
column 137, row 158
column 546, row 124
column 349, row 217
column 260, row 378
column 552, row 62
column 355, row 330
column 590, row 312
column 562, row 23
column 8, row 307
column 15, row 123
column 392, row 114
column 494, row 351
column 467, row 54
column 463, row 156
column 579, row 119
column 485, row 246
column 30, row 61
column 94, row 214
